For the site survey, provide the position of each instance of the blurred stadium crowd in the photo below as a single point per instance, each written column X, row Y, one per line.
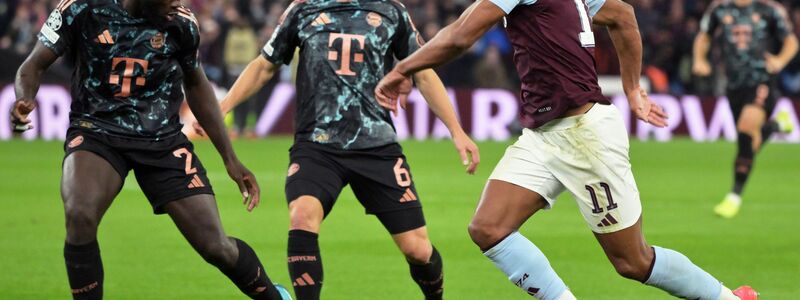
column 233, row 32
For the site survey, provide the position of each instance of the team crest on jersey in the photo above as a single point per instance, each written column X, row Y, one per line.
column 727, row 19
column 54, row 21
column 293, row 169
column 77, row 141
column 157, row 41
column 374, row 19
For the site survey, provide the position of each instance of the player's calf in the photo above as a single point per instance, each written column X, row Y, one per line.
column 424, row 261
column 219, row 252
column 247, row 272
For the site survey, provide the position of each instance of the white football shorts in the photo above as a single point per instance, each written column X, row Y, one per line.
column 587, row 155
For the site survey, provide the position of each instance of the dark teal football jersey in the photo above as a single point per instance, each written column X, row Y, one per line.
column 346, row 47
column 746, row 34
column 128, row 78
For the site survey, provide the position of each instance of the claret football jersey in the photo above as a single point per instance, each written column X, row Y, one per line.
column 554, row 54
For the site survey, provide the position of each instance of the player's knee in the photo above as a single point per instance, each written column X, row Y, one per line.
column 81, row 223
column 634, row 268
column 305, row 215
column 417, row 252
column 485, row 235
column 219, row 252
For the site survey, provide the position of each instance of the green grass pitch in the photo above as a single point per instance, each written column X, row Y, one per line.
column 145, row 257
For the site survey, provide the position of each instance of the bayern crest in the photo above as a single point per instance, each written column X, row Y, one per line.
column 157, row 41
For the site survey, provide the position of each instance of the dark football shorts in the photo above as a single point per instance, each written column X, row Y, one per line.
column 380, row 178
column 764, row 95
column 166, row 169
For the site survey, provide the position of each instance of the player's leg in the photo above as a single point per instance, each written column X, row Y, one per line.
column 659, row 267
column 424, row 261
column 750, row 108
column 592, row 162
column 198, row 220
column 304, row 258
column 89, row 184
column 382, row 182
column 503, row 208
column 175, row 181
column 314, row 181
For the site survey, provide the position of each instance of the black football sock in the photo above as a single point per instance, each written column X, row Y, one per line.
column 249, row 275
column 85, row 270
column 744, row 162
column 429, row 277
column 305, row 264
column 767, row 130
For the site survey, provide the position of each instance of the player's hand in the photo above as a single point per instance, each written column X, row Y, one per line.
column 701, row 68
column 198, row 129
column 774, row 64
column 19, row 114
column 393, row 87
column 470, row 155
column 247, row 183
column 645, row 109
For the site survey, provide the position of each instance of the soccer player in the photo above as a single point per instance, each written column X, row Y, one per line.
column 575, row 140
column 133, row 59
column 748, row 31
column 343, row 136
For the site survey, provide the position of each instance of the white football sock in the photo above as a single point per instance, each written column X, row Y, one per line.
column 727, row 294
column 567, row 295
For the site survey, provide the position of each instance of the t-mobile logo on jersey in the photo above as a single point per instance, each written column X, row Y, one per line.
column 347, row 49
column 127, row 74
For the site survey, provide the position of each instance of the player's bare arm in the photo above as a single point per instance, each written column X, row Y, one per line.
column 435, row 94
column 448, row 44
column 203, row 104
column 776, row 63
column 700, row 64
column 257, row 73
column 27, row 83
column 620, row 20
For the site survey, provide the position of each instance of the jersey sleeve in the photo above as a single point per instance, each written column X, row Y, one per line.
column 280, row 47
column 782, row 25
column 60, row 30
column 710, row 22
column 508, row 5
column 189, row 54
column 407, row 40
column 594, row 6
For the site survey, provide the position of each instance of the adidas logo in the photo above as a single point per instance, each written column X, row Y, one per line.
column 303, row 280
column 196, row 182
column 321, row 20
column 408, row 196
column 608, row 220
column 105, row 38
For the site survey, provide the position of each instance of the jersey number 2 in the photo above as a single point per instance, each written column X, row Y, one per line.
column 586, row 36
column 185, row 152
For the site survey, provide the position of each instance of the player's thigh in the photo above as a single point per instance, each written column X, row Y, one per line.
column 383, row 183
column 197, row 218
column 591, row 160
column 628, row 251
column 519, row 186
column 313, row 183
column 91, row 176
column 502, row 209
